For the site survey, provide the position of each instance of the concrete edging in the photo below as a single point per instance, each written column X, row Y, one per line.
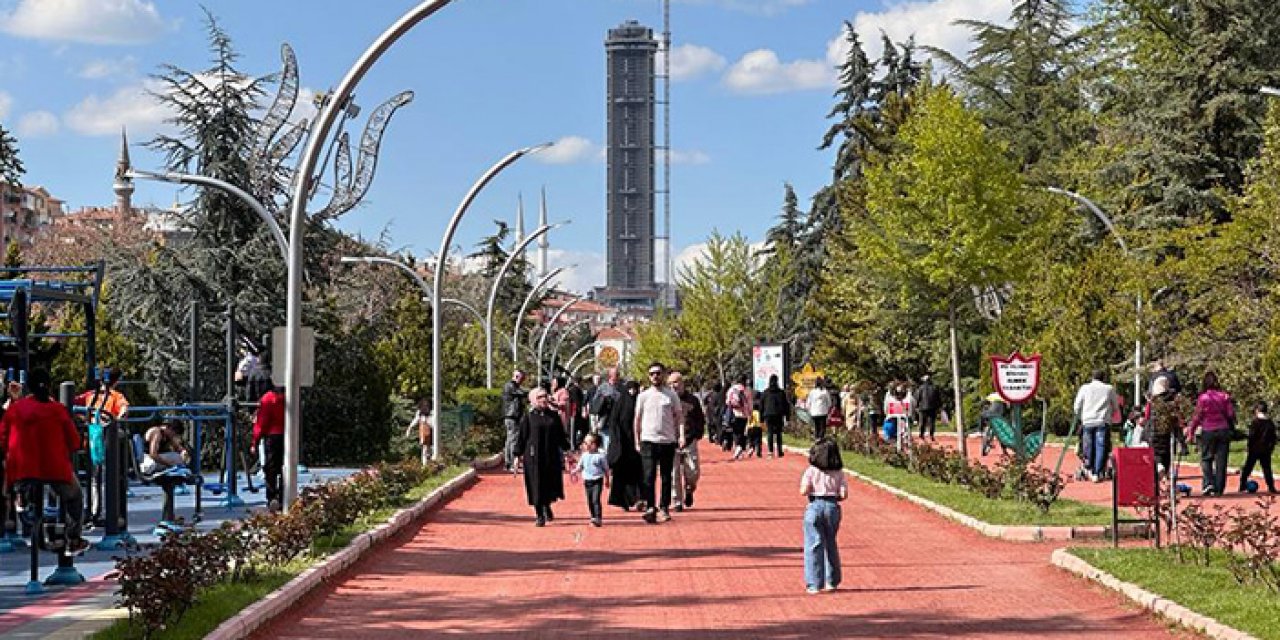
column 1161, row 606
column 277, row 602
column 1012, row 533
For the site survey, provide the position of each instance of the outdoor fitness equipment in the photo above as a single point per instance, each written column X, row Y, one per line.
column 79, row 285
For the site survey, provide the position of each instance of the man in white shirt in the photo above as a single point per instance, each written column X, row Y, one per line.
column 659, row 429
column 1095, row 405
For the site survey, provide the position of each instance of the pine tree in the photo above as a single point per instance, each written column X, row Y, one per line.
column 1025, row 79
column 11, row 168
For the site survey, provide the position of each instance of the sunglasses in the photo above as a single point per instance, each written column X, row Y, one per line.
column 655, row 373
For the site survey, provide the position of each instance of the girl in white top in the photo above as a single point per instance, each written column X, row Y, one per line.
column 825, row 485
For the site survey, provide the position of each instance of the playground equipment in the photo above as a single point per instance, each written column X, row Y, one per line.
column 21, row 288
column 1013, row 437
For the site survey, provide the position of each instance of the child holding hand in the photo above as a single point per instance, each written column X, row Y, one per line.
column 594, row 468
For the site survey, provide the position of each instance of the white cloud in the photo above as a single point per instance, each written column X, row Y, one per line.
column 6, row 103
column 106, row 68
column 35, row 124
column 587, row 272
column 690, row 61
column 570, row 150
column 91, row 21
column 761, row 72
column 131, row 106
column 678, row 156
column 762, row 7
column 930, row 21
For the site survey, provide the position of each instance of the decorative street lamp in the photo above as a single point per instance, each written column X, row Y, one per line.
column 560, row 341
column 493, row 297
column 1111, row 227
column 551, row 323
column 524, row 306
column 437, row 365
column 303, row 187
column 206, row 181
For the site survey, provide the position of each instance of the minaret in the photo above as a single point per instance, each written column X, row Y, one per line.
column 123, row 185
column 543, row 244
column 519, row 220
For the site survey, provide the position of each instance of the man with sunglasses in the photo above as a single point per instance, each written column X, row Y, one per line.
column 659, row 428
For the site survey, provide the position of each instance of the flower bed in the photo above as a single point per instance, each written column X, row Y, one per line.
column 158, row 588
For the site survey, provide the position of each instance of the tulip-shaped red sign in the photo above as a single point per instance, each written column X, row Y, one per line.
column 1016, row 377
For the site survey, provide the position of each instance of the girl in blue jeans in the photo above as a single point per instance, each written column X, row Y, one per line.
column 826, row 486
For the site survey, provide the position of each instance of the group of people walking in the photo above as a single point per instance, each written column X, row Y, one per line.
column 1170, row 420
column 650, row 441
column 649, row 460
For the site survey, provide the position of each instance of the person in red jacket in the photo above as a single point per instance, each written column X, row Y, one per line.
column 37, row 438
column 268, row 431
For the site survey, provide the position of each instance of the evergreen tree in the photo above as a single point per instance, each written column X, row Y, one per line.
column 852, row 99
column 11, row 168
column 1183, row 105
column 1025, row 80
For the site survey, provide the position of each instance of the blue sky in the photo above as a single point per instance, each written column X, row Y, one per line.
column 753, row 82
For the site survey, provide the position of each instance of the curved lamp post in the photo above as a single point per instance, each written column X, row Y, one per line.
column 560, row 341
column 205, row 181
column 569, row 362
column 437, row 365
column 524, row 306
column 1111, row 227
column 302, row 190
column 542, row 342
column 493, row 297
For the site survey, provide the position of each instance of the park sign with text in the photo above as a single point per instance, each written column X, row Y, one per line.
column 1016, row 377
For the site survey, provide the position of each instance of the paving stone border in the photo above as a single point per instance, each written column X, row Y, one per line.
column 1013, row 533
column 277, row 602
column 1152, row 602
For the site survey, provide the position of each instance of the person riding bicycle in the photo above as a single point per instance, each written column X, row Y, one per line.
column 993, row 406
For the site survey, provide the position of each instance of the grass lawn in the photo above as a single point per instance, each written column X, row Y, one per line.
column 1210, row 591
column 225, row 600
column 961, row 499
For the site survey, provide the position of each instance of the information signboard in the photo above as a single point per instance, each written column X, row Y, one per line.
column 768, row 360
column 1016, row 377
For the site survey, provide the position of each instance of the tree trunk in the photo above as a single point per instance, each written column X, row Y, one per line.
column 958, row 416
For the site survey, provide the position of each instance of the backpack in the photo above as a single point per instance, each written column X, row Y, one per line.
column 98, row 434
column 736, row 398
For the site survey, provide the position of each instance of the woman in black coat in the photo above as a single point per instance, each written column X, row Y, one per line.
column 624, row 460
column 541, row 444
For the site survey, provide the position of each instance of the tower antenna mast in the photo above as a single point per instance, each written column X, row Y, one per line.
column 669, row 289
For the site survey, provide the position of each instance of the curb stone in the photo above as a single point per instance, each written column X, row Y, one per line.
column 277, row 602
column 1148, row 600
column 1012, row 533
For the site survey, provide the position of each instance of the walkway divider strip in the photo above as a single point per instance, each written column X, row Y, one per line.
column 1152, row 602
column 277, row 602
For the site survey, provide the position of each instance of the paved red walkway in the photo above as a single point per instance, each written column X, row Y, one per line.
column 730, row 568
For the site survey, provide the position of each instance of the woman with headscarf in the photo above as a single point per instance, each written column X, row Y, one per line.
column 541, row 444
column 624, row 460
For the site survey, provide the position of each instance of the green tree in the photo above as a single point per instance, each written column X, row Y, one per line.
column 1182, row 103
column 11, row 168
column 1025, row 79
column 658, row 340
column 944, row 215
column 719, row 294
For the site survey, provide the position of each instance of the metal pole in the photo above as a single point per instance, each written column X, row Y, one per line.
column 206, row 181
column 493, row 297
column 1111, row 227
column 524, row 306
column 302, row 190
column 437, row 364
column 542, row 342
column 560, row 341
column 569, row 362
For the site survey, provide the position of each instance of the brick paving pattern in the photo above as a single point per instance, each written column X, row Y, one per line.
column 729, row 568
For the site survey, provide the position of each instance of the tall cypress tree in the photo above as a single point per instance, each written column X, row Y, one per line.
column 11, row 168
